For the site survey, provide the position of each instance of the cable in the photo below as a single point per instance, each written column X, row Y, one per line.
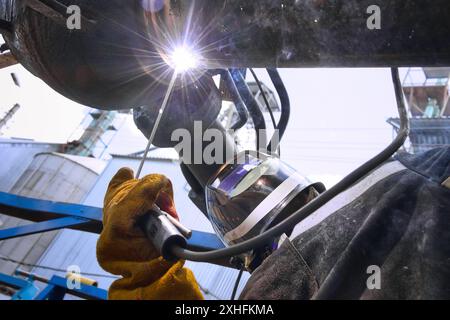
column 55, row 269
column 318, row 202
column 252, row 106
column 285, row 104
column 272, row 117
column 236, row 284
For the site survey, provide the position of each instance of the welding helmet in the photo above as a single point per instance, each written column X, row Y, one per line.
column 250, row 194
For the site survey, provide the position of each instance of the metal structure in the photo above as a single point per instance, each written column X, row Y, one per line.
column 102, row 121
column 263, row 33
column 50, row 215
column 8, row 116
column 427, row 91
column 13, row 150
column 49, row 176
column 253, row 86
column 56, row 289
column 422, row 84
column 426, row 133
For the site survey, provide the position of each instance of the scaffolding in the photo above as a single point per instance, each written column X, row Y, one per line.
column 427, row 92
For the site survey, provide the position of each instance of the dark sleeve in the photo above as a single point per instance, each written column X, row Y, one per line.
column 399, row 224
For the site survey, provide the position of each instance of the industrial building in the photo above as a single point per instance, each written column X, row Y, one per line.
column 427, row 91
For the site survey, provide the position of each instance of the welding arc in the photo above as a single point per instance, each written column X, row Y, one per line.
column 156, row 125
column 318, row 202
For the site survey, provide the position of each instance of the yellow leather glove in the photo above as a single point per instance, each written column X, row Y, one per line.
column 123, row 249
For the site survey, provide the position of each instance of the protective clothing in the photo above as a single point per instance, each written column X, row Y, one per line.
column 123, row 249
column 386, row 237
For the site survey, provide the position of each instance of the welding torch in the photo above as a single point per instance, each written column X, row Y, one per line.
column 164, row 231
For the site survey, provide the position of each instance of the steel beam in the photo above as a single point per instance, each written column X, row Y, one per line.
column 51, row 292
column 84, row 291
column 12, row 282
column 56, row 288
column 43, row 210
column 39, row 227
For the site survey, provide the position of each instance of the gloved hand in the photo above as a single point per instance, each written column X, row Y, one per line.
column 123, row 249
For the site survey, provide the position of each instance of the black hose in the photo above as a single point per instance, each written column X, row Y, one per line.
column 266, row 101
column 318, row 202
column 285, row 105
column 269, row 109
column 252, row 106
column 236, row 284
column 237, row 100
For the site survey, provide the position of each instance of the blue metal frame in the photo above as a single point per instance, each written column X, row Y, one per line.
column 39, row 227
column 13, row 282
column 56, row 288
column 51, row 292
column 52, row 215
column 85, row 291
column 43, row 210
column 49, row 216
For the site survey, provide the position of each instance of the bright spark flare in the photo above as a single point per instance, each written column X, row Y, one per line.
column 183, row 59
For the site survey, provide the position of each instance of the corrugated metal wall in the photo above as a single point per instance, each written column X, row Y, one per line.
column 16, row 156
column 426, row 133
column 78, row 248
column 50, row 176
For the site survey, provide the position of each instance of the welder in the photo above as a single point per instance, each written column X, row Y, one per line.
column 386, row 237
column 380, row 233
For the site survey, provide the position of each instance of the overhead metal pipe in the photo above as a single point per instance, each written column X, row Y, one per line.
column 322, row 33
column 111, row 64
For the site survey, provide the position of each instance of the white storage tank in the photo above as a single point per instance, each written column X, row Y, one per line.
column 50, row 176
column 16, row 155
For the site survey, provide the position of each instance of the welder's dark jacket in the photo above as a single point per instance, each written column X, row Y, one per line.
column 395, row 221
